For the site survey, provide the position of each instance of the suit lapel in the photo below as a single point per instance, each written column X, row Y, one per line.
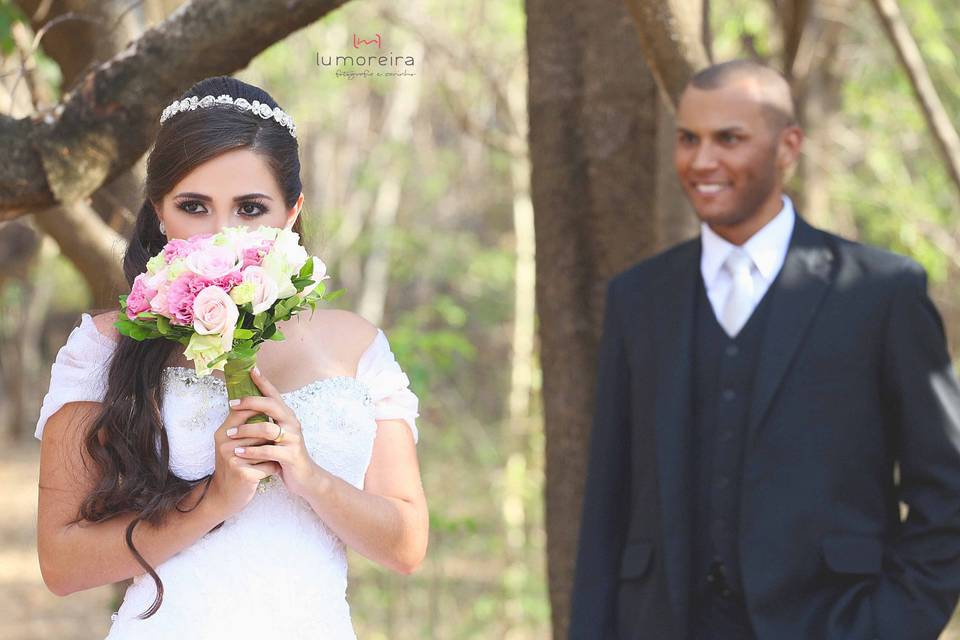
column 673, row 417
column 804, row 279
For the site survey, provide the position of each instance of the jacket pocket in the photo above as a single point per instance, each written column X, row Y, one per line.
column 852, row 553
column 635, row 560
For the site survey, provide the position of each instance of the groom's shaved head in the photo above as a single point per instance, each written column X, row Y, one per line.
column 767, row 85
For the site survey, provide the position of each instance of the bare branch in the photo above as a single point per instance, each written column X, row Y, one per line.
column 89, row 243
column 909, row 53
column 31, row 50
column 794, row 17
column 671, row 36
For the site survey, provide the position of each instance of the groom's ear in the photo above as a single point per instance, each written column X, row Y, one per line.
column 789, row 148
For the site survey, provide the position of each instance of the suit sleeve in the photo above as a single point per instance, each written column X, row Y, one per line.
column 921, row 582
column 604, row 516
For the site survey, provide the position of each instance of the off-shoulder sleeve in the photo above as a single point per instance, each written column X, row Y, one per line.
column 388, row 384
column 79, row 372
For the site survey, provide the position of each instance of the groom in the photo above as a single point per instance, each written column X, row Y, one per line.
column 767, row 394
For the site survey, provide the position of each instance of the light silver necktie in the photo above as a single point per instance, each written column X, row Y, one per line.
column 739, row 304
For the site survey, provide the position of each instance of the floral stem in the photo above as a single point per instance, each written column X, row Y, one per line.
column 236, row 372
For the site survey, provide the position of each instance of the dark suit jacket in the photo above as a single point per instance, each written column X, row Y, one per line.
column 854, row 380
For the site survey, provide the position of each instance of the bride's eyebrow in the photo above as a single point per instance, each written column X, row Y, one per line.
column 205, row 198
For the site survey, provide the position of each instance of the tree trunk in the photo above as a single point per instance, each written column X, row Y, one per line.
column 604, row 197
column 593, row 140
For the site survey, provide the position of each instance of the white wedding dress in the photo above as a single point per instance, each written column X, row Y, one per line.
column 273, row 570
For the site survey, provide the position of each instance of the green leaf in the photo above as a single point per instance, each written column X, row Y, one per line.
column 277, row 335
column 163, row 325
column 125, row 325
column 245, row 352
column 306, row 270
column 242, row 334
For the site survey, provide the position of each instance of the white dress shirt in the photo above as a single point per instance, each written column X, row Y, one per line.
column 767, row 248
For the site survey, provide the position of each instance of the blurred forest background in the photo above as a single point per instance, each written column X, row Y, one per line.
column 419, row 198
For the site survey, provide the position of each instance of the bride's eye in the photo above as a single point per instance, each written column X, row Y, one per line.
column 187, row 205
column 253, row 208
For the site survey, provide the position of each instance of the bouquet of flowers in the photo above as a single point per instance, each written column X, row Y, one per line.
column 221, row 295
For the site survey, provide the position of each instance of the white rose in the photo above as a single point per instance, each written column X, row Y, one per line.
column 265, row 290
column 276, row 267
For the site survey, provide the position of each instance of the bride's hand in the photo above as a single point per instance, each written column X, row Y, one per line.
column 297, row 468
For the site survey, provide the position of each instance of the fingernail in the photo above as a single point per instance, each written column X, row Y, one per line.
column 239, row 450
column 256, row 370
column 232, row 431
column 235, row 402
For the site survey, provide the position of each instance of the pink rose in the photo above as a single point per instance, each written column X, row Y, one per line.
column 213, row 262
column 215, row 313
column 159, row 303
column 140, row 295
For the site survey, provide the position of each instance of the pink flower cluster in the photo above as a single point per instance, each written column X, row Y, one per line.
column 198, row 264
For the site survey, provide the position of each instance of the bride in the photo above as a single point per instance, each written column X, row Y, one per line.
column 147, row 472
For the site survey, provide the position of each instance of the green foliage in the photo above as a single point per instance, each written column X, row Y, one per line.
column 9, row 13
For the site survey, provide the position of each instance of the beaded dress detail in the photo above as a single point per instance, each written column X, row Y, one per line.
column 273, row 569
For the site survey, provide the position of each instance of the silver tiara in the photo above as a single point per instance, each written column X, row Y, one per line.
column 256, row 107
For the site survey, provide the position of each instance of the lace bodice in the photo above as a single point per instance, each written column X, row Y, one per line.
column 274, row 568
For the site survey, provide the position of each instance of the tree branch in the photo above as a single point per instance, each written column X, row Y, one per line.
column 794, row 17
column 107, row 122
column 672, row 39
column 909, row 53
column 90, row 244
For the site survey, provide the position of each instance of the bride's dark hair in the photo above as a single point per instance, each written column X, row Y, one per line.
column 133, row 476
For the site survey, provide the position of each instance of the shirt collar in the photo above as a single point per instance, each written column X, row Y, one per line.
column 767, row 247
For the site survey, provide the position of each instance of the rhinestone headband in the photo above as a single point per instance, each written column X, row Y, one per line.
column 255, row 107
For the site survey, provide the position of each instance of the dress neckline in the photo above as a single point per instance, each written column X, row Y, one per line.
column 319, row 382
